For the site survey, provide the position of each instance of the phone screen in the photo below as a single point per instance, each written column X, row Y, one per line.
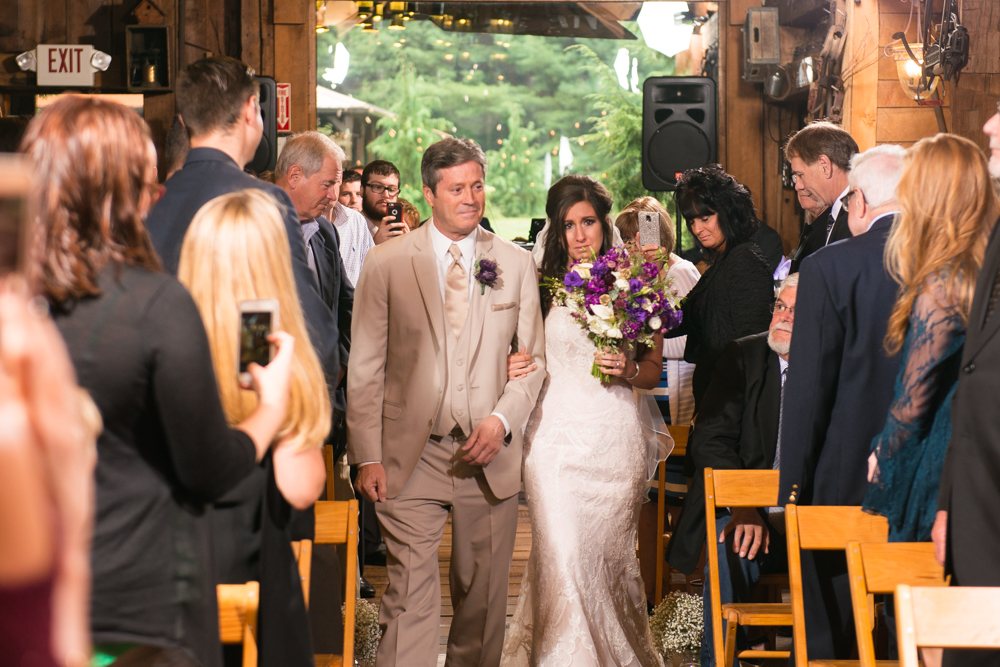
column 255, row 327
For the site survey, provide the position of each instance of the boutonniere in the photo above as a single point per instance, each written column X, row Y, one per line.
column 485, row 273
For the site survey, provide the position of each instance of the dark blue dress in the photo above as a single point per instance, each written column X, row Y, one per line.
column 911, row 448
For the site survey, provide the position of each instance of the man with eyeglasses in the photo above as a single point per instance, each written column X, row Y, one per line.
column 379, row 186
column 738, row 425
column 840, row 384
column 820, row 155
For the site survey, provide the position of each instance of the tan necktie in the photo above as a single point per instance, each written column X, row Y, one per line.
column 456, row 292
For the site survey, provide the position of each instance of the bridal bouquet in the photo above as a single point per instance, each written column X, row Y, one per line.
column 677, row 624
column 620, row 298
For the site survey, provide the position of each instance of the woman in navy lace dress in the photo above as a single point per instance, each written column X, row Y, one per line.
column 935, row 250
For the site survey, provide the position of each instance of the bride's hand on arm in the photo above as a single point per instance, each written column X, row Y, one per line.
column 646, row 369
column 519, row 365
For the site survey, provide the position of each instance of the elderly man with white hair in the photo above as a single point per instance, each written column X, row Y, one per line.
column 840, row 384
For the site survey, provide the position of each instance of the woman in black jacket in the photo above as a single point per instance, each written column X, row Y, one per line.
column 138, row 345
column 733, row 298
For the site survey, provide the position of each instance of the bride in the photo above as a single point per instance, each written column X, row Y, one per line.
column 582, row 600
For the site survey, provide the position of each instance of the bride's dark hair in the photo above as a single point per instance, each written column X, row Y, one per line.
column 563, row 195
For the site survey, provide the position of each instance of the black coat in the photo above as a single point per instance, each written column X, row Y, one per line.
column 970, row 482
column 334, row 287
column 769, row 242
column 840, row 381
column 209, row 173
column 814, row 236
column 736, row 429
column 731, row 300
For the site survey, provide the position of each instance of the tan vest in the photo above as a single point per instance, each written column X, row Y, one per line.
column 455, row 407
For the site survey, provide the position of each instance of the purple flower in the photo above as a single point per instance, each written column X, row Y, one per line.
column 650, row 270
column 631, row 330
column 599, row 269
column 597, row 285
column 619, row 304
column 634, row 284
column 485, row 271
column 573, row 280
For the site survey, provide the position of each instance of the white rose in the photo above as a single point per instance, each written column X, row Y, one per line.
column 622, row 284
column 616, row 274
column 648, row 306
column 614, row 332
column 597, row 325
column 655, row 323
column 603, row 312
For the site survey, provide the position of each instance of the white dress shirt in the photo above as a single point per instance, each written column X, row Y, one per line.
column 355, row 240
column 441, row 245
column 835, row 211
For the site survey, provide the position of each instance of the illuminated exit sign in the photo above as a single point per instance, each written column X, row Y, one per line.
column 64, row 64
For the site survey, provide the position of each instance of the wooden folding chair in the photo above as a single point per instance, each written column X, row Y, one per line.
column 877, row 569
column 303, row 550
column 328, row 459
column 946, row 617
column 738, row 488
column 337, row 523
column 823, row 528
column 238, row 605
column 680, row 435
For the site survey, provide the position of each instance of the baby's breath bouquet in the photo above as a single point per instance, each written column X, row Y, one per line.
column 619, row 297
column 367, row 632
column 677, row 624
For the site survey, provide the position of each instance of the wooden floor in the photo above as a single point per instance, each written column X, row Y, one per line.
column 522, row 547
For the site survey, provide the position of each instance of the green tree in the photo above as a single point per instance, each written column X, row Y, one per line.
column 515, row 169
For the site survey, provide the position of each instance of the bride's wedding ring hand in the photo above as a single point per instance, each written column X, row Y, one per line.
column 485, row 442
column 519, row 365
column 613, row 363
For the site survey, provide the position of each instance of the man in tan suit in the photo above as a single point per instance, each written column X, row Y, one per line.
column 433, row 422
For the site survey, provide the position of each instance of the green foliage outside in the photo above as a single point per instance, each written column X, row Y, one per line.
column 515, row 95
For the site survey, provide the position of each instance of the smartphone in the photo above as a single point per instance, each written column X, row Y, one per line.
column 649, row 228
column 258, row 318
column 15, row 181
column 395, row 209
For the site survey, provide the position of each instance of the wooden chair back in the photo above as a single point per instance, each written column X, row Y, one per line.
column 946, row 617
column 877, row 569
column 337, row 523
column 731, row 488
column 822, row 528
column 328, row 459
column 680, row 435
column 303, row 557
column 238, row 604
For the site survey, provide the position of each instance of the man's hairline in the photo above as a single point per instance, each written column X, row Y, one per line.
column 482, row 170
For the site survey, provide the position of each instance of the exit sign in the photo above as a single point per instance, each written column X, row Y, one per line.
column 64, row 64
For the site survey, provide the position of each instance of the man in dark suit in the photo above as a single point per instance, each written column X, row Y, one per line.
column 965, row 537
column 820, row 155
column 737, row 429
column 219, row 100
column 840, row 385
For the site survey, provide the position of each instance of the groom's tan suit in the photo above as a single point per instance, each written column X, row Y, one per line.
column 415, row 392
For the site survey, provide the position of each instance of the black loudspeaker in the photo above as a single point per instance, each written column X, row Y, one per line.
column 678, row 128
column 267, row 151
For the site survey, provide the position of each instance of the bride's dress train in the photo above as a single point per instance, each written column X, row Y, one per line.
column 582, row 601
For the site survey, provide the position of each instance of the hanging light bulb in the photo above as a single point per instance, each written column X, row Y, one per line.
column 909, row 73
column 397, row 23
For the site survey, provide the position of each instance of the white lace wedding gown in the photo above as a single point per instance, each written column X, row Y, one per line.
column 582, row 601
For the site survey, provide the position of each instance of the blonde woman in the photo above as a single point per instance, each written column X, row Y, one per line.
column 236, row 249
column 935, row 251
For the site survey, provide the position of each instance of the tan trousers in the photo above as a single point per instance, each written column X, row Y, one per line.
column 483, row 532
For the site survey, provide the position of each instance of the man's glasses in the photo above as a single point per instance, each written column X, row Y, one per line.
column 845, row 201
column 779, row 308
column 379, row 189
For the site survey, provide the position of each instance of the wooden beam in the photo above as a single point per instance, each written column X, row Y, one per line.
column 250, row 33
column 860, row 71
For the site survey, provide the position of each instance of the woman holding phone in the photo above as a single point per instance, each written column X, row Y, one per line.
column 236, row 257
column 138, row 345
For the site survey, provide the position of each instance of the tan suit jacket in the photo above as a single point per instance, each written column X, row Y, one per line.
column 396, row 376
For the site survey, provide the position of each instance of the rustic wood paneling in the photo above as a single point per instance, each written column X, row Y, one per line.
column 890, row 94
column 907, row 124
column 974, row 100
column 982, row 18
column 744, row 119
column 266, row 38
column 860, row 70
column 250, row 33
column 293, row 12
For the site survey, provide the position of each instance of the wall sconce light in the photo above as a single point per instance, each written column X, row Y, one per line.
column 26, row 61
column 910, row 72
column 100, row 60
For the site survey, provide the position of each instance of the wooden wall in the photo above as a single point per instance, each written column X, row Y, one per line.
column 751, row 134
column 275, row 37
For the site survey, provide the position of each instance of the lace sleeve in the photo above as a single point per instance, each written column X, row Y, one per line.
column 936, row 330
